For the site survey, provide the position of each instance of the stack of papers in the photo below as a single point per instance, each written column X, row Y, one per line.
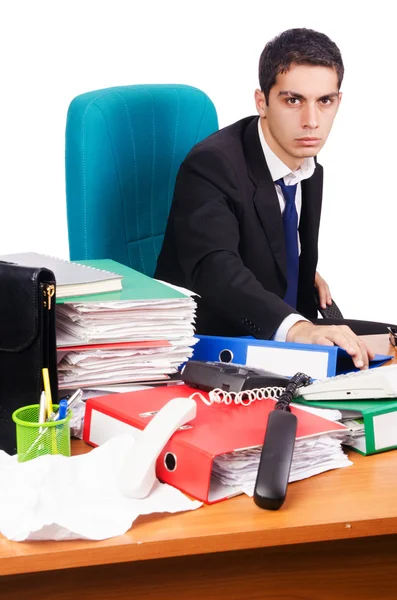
column 94, row 366
column 311, row 456
column 125, row 321
column 120, row 342
column 140, row 334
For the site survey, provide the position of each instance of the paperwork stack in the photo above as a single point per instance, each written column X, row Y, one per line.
column 142, row 333
column 311, row 457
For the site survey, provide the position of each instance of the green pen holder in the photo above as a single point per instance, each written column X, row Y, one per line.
column 36, row 439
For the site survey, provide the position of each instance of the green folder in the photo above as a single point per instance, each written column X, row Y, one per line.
column 136, row 286
column 379, row 418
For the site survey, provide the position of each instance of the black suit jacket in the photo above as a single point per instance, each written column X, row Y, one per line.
column 225, row 239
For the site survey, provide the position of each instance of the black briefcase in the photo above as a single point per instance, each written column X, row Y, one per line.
column 27, row 342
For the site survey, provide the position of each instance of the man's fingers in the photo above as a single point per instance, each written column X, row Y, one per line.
column 345, row 342
column 324, row 341
column 357, row 342
column 346, row 339
column 370, row 353
column 328, row 335
column 322, row 296
column 329, row 297
column 362, row 352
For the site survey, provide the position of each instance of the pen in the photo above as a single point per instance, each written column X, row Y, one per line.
column 78, row 394
column 62, row 411
column 42, row 414
column 47, row 389
column 42, row 409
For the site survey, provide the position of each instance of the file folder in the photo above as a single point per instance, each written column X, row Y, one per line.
column 378, row 419
column 187, row 459
column 285, row 358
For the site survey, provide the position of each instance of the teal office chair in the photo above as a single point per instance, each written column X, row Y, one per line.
column 124, row 146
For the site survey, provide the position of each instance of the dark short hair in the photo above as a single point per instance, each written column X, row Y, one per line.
column 300, row 47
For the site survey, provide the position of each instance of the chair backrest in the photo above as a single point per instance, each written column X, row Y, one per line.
column 124, row 146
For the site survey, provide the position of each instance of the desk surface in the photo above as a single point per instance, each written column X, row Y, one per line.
column 357, row 501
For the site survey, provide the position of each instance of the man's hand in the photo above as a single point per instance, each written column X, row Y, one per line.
column 305, row 332
column 323, row 290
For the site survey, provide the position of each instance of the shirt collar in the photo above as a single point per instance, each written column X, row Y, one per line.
column 280, row 170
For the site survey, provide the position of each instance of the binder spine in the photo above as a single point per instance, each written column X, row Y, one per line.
column 99, row 427
column 369, row 433
column 182, row 466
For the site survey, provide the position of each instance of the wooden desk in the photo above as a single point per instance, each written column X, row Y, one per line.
column 335, row 537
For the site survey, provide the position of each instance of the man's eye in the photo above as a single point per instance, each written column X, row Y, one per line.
column 293, row 101
column 326, row 101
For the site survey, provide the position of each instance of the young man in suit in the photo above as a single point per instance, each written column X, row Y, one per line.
column 243, row 227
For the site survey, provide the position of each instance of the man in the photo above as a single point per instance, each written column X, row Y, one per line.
column 243, row 227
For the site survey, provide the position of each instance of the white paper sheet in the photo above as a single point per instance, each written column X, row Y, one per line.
column 60, row 498
column 179, row 288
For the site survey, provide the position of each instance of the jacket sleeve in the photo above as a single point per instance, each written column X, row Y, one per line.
column 205, row 224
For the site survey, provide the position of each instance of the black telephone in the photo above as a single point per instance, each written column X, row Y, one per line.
column 229, row 377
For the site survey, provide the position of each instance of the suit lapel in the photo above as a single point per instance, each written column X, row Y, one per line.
column 265, row 198
column 312, row 190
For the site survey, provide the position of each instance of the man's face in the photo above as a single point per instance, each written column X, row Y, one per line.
column 302, row 106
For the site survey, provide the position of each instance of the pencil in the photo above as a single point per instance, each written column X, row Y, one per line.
column 47, row 390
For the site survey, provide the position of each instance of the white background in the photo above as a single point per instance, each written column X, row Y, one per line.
column 53, row 50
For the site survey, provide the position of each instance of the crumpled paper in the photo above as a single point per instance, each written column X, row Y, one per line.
column 63, row 498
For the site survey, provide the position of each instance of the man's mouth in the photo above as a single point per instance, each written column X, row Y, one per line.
column 308, row 141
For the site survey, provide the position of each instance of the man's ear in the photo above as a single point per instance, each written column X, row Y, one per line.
column 260, row 103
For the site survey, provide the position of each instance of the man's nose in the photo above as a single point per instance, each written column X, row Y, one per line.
column 310, row 116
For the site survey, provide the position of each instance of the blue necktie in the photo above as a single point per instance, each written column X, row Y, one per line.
column 290, row 223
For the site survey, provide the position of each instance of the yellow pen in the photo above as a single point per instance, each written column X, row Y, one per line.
column 47, row 391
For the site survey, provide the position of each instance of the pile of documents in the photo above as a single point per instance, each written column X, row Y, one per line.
column 311, row 456
column 123, row 341
column 141, row 334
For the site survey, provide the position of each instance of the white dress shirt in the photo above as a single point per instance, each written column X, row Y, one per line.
column 280, row 170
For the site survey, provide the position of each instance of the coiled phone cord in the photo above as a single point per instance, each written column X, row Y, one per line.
column 297, row 381
column 245, row 398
